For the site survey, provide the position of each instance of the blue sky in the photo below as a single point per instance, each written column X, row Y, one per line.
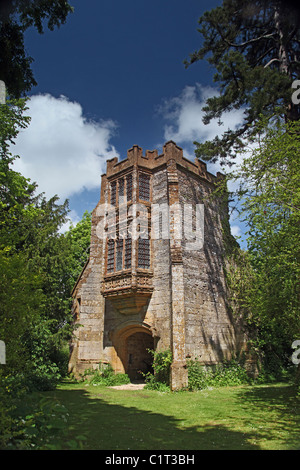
column 111, row 77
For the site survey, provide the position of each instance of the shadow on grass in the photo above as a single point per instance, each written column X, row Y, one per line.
column 281, row 400
column 114, row 427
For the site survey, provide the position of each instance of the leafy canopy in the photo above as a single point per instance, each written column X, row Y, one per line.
column 79, row 238
column 266, row 282
column 15, row 17
column 34, row 275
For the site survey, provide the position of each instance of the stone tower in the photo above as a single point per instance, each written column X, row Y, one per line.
column 154, row 279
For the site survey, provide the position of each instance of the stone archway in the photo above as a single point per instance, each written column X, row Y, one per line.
column 131, row 345
column 139, row 360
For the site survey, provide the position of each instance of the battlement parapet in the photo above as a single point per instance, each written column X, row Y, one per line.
column 172, row 153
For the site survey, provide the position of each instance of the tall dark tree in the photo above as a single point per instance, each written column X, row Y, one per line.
column 255, row 48
column 79, row 238
column 15, row 17
column 34, row 274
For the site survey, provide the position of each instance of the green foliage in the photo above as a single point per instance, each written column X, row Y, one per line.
column 34, row 278
column 267, row 290
column 34, row 426
column 47, row 358
column 15, row 17
column 255, row 51
column 160, row 379
column 20, row 300
column 29, row 224
column 105, row 375
column 228, row 373
column 79, row 239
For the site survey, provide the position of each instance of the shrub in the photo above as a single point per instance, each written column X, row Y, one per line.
column 106, row 376
column 47, row 357
column 160, row 379
column 228, row 373
column 198, row 377
column 273, row 368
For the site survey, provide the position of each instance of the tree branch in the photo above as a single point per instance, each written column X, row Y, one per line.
column 270, row 62
column 250, row 41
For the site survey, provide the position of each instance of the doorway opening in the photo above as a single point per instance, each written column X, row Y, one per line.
column 139, row 359
column 132, row 344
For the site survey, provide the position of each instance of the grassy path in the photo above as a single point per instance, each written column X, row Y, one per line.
column 260, row 417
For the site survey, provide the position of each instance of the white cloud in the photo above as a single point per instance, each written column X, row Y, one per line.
column 61, row 150
column 183, row 115
column 236, row 230
column 73, row 219
column 184, row 120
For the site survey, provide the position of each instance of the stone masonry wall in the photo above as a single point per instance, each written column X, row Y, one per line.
column 88, row 307
column 210, row 335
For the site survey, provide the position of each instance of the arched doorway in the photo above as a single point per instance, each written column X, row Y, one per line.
column 131, row 345
column 139, row 359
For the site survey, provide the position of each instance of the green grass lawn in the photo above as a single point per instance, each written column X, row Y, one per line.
column 244, row 417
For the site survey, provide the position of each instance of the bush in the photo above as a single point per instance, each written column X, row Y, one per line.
column 106, row 376
column 198, row 377
column 47, row 360
column 228, row 373
column 160, row 379
column 273, row 368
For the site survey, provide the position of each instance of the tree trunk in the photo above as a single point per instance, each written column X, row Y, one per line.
column 284, row 65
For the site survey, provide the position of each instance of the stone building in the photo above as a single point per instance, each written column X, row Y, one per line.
column 154, row 279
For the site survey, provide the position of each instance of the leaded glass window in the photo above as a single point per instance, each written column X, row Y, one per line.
column 121, row 188
column 113, row 193
column 129, row 187
column 119, row 262
column 144, row 187
column 143, row 253
column 128, row 251
column 110, row 256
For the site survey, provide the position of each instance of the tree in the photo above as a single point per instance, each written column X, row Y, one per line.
column 267, row 292
column 30, row 238
column 79, row 237
column 16, row 192
column 15, row 17
column 21, row 298
column 255, row 48
column 29, row 223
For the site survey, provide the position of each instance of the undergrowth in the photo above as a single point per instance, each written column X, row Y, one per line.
column 228, row 373
column 160, row 379
column 105, row 376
